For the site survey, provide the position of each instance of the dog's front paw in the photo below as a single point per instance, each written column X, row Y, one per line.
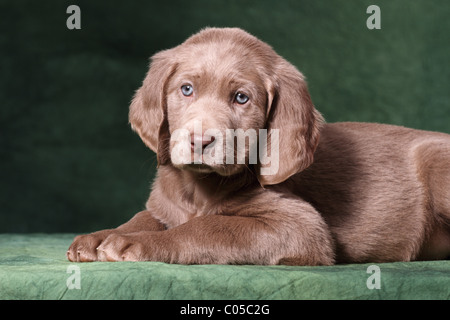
column 125, row 247
column 84, row 247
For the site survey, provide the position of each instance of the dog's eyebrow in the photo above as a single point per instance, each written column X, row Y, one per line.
column 190, row 75
column 232, row 79
column 239, row 82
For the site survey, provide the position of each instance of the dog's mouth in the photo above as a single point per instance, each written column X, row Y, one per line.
column 199, row 167
column 221, row 170
column 206, row 154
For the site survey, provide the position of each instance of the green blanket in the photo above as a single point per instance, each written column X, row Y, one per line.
column 34, row 266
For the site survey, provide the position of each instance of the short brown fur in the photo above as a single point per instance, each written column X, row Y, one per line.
column 343, row 192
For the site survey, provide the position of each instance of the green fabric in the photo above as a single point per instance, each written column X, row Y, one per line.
column 69, row 161
column 34, row 266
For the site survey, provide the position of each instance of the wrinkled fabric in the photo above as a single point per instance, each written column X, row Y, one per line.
column 34, row 266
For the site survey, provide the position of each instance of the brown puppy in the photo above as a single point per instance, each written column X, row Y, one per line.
column 249, row 174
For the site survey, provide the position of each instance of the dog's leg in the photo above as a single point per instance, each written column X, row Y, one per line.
column 291, row 232
column 84, row 247
column 434, row 172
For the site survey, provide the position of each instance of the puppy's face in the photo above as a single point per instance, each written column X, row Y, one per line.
column 224, row 101
column 216, row 104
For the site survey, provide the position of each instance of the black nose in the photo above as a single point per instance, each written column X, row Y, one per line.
column 201, row 140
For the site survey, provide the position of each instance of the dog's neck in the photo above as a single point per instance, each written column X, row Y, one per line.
column 215, row 186
column 205, row 193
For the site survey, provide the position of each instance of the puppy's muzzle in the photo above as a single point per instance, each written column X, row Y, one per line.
column 200, row 142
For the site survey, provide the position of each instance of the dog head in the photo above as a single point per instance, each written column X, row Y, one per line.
column 223, row 102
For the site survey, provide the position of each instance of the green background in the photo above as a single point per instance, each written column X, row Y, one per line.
column 69, row 161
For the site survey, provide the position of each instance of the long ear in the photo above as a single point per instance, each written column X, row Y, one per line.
column 147, row 114
column 292, row 112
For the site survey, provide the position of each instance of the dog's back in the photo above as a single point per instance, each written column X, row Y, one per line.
column 382, row 189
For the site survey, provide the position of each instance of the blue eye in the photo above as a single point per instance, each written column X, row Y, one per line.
column 241, row 98
column 187, row 90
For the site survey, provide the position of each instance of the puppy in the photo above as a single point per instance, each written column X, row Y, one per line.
column 248, row 173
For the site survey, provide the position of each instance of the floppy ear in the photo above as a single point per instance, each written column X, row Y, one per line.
column 292, row 112
column 148, row 110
